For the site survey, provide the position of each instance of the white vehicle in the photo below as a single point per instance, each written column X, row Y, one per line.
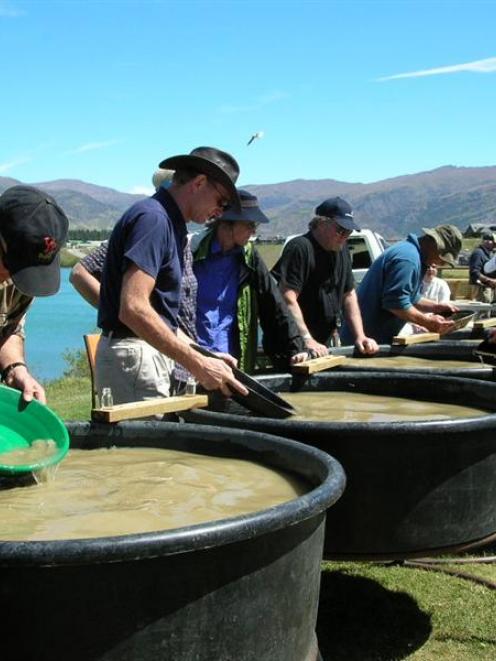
column 364, row 246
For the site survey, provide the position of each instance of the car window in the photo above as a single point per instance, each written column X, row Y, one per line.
column 360, row 256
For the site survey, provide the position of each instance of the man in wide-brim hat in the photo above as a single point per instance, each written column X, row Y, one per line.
column 141, row 282
column 236, row 291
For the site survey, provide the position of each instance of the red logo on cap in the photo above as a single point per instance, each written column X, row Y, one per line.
column 50, row 246
column 48, row 250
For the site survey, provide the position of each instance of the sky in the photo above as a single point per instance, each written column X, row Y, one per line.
column 356, row 91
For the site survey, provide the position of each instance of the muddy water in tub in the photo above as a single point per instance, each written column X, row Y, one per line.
column 117, row 491
column 362, row 407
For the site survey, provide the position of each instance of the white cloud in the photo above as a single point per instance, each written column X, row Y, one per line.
column 257, row 104
column 5, row 167
column 92, row 146
column 142, row 190
column 9, row 11
column 478, row 66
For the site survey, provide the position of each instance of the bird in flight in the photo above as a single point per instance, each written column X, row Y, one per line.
column 255, row 136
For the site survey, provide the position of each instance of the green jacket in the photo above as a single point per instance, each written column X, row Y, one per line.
column 259, row 299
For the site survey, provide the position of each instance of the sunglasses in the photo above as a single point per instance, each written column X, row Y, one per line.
column 340, row 230
column 222, row 201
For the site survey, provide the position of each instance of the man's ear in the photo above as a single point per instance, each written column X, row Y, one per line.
column 199, row 181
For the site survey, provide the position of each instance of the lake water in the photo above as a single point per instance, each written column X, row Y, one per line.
column 55, row 324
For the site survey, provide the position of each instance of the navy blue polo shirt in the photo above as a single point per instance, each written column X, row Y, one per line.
column 151, row 234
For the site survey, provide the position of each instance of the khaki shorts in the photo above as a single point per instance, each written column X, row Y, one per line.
column 133, row 369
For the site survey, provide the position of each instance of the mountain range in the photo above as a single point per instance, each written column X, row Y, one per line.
column 394, row 207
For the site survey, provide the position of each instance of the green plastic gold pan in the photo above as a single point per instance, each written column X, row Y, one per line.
column 32, row 436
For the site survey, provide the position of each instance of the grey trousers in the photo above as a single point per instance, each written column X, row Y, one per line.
column 132, row 369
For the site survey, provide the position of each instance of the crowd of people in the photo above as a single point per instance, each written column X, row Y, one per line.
column 160, row 291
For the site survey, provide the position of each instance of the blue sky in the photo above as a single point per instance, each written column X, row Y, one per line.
column 354, row 91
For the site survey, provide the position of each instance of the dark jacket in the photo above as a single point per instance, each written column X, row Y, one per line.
column 477, row 260
column 258, row 298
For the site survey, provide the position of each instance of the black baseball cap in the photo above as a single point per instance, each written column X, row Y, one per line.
column 33, row 228
column 339, row 210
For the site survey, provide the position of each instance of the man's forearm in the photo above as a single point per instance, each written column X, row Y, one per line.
column 295, row 310
column 411, row 314
column 86, row 284
column 12, row 351
column 486, row 281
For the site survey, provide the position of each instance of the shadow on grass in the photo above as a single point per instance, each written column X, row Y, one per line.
column 359, row 620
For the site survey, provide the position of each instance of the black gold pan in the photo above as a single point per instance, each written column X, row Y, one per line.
column 461, row 319
column 260, row 399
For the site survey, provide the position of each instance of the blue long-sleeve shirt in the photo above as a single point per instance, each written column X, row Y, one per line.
column 392, row 282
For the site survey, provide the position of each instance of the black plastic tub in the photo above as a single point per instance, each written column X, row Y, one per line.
column 442, row 350
column 412, row 487
column 244, row 588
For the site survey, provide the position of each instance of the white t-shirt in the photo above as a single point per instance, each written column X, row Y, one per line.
column 437, row 290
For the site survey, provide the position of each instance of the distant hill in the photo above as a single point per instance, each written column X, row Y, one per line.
column 86, row 205
column 393, row 207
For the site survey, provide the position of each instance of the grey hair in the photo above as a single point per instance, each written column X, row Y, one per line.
column 316, row 220
column 161, row 175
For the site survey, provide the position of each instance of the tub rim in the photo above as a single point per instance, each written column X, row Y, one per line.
column 369, row 429
column 139, row 546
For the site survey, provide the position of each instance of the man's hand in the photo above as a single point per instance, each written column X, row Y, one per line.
column 22, row 380
column 299, row 358
column 317, row 348
column 214, row 374
column 366, row 345
column 437, row 324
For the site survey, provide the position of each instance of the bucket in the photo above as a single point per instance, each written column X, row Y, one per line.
column 242, row 588
column 413, row 488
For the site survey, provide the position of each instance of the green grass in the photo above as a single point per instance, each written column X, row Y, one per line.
column 70, row 397
column 270, row 253
column 383, row 613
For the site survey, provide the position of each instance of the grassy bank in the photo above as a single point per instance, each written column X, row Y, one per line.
column 70, row 397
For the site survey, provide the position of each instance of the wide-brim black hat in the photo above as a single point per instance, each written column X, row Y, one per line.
column 249, row 211
column 217, row 164
column 34, row 228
